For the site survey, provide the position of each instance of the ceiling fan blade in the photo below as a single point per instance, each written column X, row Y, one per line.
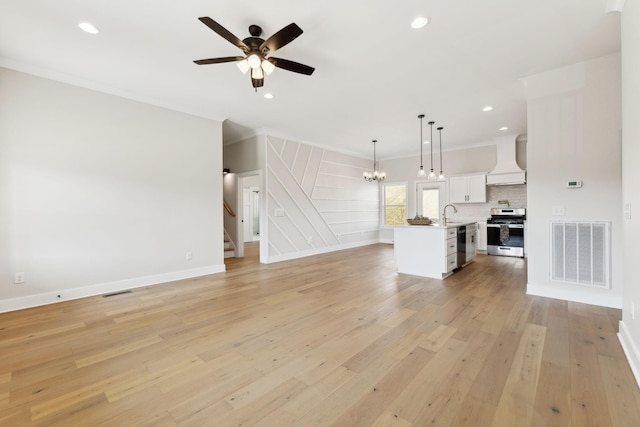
column 282, row 38
column 224, row 33
column 219, row 60
column 296, row 67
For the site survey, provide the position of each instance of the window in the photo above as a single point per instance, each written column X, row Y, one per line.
column 430, row 199
column 395, row 204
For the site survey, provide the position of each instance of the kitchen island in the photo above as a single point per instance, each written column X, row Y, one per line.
column 433, row 250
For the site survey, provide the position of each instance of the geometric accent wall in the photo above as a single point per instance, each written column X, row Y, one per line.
column 317, row 200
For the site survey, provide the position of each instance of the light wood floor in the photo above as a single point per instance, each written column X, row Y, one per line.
column 339, row 339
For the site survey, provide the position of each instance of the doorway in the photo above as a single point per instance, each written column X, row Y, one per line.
column 250, row 212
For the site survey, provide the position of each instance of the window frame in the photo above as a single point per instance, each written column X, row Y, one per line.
column 383, row 204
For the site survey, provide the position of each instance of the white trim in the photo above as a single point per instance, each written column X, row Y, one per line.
column 104, row 288
column 318, row 251
column 569, row 294
column 630, row 350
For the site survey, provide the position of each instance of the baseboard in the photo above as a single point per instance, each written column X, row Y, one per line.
column 630, row 350
column 318, row 251
column 585, row 296
column 29, row 301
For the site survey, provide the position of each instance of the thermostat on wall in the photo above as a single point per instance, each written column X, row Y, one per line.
column 574, row 184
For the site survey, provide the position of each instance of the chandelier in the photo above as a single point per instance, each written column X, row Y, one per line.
column 375, row 175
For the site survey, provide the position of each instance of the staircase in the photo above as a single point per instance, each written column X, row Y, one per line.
column 229, row 247
column 229, row 250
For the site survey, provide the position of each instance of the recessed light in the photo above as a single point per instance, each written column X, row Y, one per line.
column 426, row 142
column 487, row 108
column 88, row 28
column 420, row 22
column 504, row 128
column 268, row 95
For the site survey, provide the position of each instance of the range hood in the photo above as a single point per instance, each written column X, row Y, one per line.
column 506, row 171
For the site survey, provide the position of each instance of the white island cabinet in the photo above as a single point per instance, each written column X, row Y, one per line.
column 428, row 251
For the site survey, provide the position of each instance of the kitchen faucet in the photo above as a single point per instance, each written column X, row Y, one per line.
column 444, row 213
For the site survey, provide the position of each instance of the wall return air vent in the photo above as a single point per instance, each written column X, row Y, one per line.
column 580, row 252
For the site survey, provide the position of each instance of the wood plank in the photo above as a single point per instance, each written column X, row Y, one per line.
column 621, row 392
column 334, row 339
column 515, row 406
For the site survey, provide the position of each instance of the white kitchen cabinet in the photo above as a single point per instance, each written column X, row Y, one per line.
column 468, row 189
column 482, row 236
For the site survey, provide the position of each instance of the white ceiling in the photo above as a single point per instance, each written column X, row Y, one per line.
column 374, row 73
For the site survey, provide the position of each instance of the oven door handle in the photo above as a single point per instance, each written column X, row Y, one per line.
column 510, row 225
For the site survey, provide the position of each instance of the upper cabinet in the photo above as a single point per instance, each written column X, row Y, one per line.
column 468, row 189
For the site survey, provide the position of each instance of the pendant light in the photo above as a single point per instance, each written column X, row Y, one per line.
column 441, row 177
column 432, row 175
column 421, row 172
column 375, row 175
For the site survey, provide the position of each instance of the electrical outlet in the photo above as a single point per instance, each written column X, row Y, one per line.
column 557, row 210
column 188, row 256
column 19, row 278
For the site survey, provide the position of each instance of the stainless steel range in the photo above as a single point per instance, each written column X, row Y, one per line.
column 505, row 232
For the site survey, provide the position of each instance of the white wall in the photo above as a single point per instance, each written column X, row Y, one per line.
column 574, row 123
column 99, row 193
column 245, row 155
column 316, row 200
column 630, row 325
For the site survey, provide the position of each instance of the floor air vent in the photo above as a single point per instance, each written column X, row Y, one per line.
column 580, row 252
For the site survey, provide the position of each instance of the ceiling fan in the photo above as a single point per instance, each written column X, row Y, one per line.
column 256, row 51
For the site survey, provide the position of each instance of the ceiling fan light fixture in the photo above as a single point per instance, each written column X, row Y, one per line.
column 268, row 67
column 254, row 61
column 256, row 73
column 255, row 49
column 244, row 66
